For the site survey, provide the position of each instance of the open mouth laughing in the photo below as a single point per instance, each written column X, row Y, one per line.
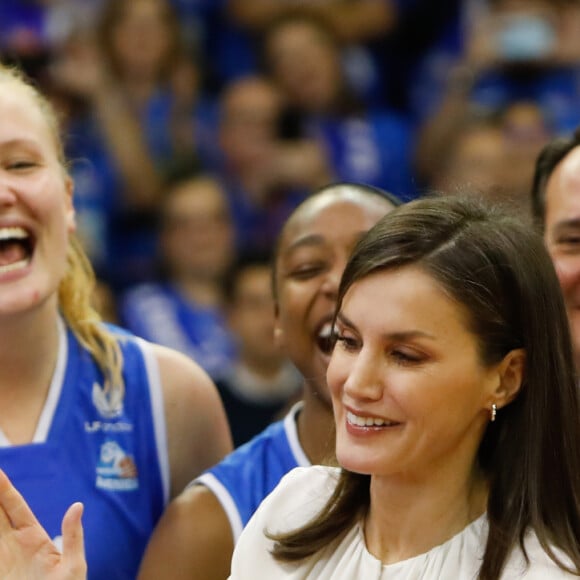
column 325, row 338
column 16, row 245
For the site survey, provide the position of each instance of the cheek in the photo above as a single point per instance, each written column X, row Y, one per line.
column 336, row 375
column 568, row 271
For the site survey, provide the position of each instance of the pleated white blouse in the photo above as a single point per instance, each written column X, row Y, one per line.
column 303, row 492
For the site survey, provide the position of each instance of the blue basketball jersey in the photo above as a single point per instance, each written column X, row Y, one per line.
column 113, row 459
column 245, row 477
column 161, row 314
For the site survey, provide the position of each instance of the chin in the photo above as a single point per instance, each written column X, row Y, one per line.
column 352, row 459
column 354, row 464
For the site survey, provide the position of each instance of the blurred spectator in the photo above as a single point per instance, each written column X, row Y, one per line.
column 185, row 309
column 265, row 177
column 361, row 26
column 493, row 156
column 473, row 159
column 258, row 387
column 137, row 93
column 22, row 30
column 426, row 38
column 362, row 145
column 67, row 18
column 526, row 131
column 514, row 50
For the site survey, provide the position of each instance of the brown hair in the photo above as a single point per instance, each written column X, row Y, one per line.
column 547, row 161
column 501, row 273
column 76, row 288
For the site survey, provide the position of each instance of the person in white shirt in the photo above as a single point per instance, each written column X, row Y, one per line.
column 456, row 410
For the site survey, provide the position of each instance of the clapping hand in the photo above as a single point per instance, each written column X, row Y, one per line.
column 26, row 550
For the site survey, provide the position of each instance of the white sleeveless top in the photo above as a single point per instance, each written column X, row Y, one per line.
column 302, row 493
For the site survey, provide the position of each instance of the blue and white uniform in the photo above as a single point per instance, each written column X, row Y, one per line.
column 161, row 314
column 114, row 460
column 245, row 477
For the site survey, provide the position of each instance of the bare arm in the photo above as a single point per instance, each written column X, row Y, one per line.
column 26, row 551
column 192, row 540
column 125, row 140
column 82, row 71
column 355, row 21
column 198, row 434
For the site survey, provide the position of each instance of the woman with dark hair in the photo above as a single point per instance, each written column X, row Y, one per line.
column 456, row 411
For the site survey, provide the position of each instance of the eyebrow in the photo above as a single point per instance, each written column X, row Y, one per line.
column 318, row 240
column 564, row 226
column 19, row 142
column 573, row 223
column 310, row 240
column 396, row 336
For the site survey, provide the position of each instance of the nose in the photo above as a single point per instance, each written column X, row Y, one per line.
column 365, row 380
column 7, row 194
column 332, row 280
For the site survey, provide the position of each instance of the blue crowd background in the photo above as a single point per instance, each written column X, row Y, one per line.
column 194, row 127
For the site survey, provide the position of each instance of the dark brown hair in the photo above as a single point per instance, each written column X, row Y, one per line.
column 548, row 159
column 499, row 270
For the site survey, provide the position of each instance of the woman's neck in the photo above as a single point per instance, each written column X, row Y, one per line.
column 316, row 430
column 409, row 517
column 29, row 345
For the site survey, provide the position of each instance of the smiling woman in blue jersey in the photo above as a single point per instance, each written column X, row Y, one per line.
column 88, row 413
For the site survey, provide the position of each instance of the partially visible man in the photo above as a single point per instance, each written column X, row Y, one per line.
column 556, row 209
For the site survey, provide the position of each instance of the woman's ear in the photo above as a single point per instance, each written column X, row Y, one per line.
column 69, row 207
column 278, row 335
column 511, row 372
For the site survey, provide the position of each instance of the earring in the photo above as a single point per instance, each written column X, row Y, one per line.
column 493, row 412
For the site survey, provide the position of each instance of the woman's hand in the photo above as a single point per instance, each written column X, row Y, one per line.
column 26, row 550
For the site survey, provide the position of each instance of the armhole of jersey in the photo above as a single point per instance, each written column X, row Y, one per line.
column 227, row 502
column 158, row 414
column 292, row 436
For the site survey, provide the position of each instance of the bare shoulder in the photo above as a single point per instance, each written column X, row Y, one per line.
column 194, row 534
column 180, row 374
column 197, row 430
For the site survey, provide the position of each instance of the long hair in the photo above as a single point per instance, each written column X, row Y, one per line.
column 76, row 289
column 500, row 272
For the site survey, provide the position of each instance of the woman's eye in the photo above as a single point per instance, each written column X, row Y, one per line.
column 406, row 357
column 348, row 343
column 306, row 272
column 570, row 241
column 21, row 165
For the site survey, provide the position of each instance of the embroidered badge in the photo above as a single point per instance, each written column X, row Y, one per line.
column 116, row 470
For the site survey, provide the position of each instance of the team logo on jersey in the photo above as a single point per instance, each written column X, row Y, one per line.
column 108, row 403
column 116, row 470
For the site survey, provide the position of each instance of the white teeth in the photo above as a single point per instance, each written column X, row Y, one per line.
column 325, row 331
column 367, row 421
column 13, row 233
column 14, row 266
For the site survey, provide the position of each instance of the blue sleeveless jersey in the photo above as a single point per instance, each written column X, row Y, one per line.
column 114, row 461
column 160, row 314
column 245, row 477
